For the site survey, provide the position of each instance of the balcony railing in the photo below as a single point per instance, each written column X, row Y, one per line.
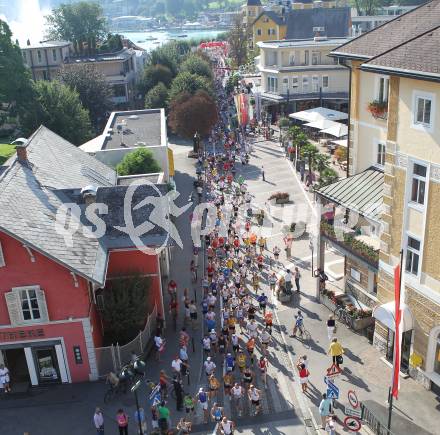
column 348, row 241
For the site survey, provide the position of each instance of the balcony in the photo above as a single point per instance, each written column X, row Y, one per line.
column 361, row 246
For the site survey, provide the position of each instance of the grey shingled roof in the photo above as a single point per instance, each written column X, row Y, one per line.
column 420, row 56
column 362, row 193
column 273, row 16
column 29, row 201
column 254, row 2
column 336, row 22
column 393, row 33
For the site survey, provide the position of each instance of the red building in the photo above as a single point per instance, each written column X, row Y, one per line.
column 49, row 321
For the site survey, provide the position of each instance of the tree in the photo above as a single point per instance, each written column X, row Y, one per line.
column 189, row 83
column 15, row 81
column 59, row 108
column 310, row 151
column 193, row 113
column 82, row 23
column 138, row 162
column 327, row 176
column 196, row 65
column 157, row 97
column 165, row 55
column 93, row 89
column 369, row 7
column 153, row 75
column 125, row 307
column 238, row 41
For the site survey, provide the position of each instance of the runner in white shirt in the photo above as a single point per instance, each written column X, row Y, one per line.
column 254, row 395
column 252, row 328
column 237, row 393
column 226, row 426
column 176, row 365
column 209, row 367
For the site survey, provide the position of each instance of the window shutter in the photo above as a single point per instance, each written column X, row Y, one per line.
column 2, row 257
column 42, row 306
column 14, row 309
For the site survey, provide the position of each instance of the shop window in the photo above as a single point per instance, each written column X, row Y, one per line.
column 418, row 184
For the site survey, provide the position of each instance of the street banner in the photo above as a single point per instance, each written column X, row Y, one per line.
column 397, row 335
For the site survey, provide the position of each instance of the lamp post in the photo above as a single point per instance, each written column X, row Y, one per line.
column 134, row 390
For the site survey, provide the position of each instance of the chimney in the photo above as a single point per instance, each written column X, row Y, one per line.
column 88, row 194
column 28, row 42
column 22, row 153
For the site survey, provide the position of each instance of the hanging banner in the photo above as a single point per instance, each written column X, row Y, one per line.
column 397, row 336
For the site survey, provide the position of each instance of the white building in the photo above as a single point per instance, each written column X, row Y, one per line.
column 300, row 75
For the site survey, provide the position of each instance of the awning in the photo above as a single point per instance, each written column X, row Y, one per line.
column 336, row 129
column 385, row 314
column 362, row 193
column 318, row 113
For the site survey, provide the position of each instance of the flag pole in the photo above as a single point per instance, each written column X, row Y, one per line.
column 390, row 391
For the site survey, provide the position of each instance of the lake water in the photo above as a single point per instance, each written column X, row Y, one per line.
column 139, row 38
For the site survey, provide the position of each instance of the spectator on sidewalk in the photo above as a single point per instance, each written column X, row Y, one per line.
column 98, row 421
column 139, row 417
column 122, row 421
column 288, row 281
column 331, row 327
column 330, row 426
column 335, row 351
column 325, row 409
column 164, row 416
column 178, row 390
column 297, row 276
column 304, row 377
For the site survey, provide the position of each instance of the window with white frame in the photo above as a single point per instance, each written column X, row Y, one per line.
column 292, row 59
column 325, row 82
column 380, row 157
column 272, row 84
column 2, row 257
column 26, row 305
column 315, row 83
column 412, row 256
column 39, row 56
column 295, row 83
column 422, row 113
column 382, row 92
column 316, row 57
column 418, row 183
column 305, row 83
column 306, row 57
column 259, row 32
column 271, row 31
column 355, row 274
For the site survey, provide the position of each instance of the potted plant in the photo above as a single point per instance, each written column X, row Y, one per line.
column 280, row 197
column 252, row 101
column 378, row 109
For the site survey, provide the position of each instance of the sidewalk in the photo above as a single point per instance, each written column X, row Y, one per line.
column 364, row 371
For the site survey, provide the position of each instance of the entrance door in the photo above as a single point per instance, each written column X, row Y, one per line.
column 47, row 365
column 405, row 349
column 15, row 360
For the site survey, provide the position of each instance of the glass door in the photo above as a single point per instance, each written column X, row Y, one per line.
column 47, row 365
column 405, row 349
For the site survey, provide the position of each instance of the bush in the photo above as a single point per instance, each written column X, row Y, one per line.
column 189, row 83
column 153, row 75
column 156, row 97
column 138, row 162
column 196, row 65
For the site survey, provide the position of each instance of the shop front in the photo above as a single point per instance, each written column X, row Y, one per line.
column 44, row 355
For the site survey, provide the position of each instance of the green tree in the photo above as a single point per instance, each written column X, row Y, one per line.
column 166, row 55
column 59, row 108
column 196, row 65
column 93, row 89
column 238, row 41
column 309, row 151
column 15, row 81
column 157, row 97
column 82, row 23
column 369, row 7
column 321, row 162
column 186, row 82
column 138, row 162
column 154, row 74
column 193, row 113
column 125, row 307
column 327, row 176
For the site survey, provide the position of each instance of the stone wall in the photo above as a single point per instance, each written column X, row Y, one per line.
column 432, row 235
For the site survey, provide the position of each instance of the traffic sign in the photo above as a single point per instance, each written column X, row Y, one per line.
column 332, row 394
column 333, row 372
column 154, row 392
column 352, row 398
column 351, row 412
column 352, row 423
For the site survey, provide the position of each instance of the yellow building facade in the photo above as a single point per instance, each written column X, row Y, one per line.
column 395, row 126
column 268, row 27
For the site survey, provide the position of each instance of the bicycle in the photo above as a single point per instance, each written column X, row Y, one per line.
column 306, row 337
column 344, row 317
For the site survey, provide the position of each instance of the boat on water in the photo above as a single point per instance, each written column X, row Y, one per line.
column 182, row 36
column 150, row 38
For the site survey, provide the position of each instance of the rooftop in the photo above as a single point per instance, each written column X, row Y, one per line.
column 47, row 44
column 120, row 55
column 315, row 42
column 333, row 22
column 393, row 33
column 136, row 128
column 417, row 57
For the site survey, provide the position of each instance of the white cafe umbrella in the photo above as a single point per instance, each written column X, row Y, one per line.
column 337, row 130
column 320, row 124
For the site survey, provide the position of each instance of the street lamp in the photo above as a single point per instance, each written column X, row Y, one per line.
column 134, row 390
